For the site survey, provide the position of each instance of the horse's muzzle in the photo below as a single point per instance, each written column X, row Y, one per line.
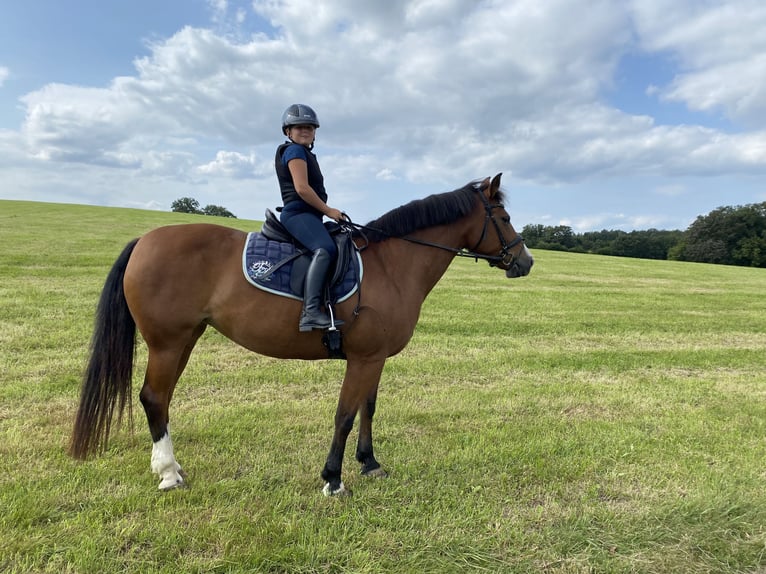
column 521, row 265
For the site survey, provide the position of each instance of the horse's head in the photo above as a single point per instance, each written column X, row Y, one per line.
column 498, row 239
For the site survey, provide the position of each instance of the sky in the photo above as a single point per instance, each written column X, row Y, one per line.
column 601, row 114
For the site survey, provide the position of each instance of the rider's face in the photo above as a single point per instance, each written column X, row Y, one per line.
column 303, row 134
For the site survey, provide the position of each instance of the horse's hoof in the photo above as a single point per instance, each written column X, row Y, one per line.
column 375, row 473
column 340, row 491
column 171, row 483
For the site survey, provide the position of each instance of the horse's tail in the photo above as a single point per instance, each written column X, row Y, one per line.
column 107, row 381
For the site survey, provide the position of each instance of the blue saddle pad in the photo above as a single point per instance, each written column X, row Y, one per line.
column 269, row 265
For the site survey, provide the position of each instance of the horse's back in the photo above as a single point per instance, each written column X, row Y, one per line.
column 176, row 271
column 188, row 252
column 203, row 238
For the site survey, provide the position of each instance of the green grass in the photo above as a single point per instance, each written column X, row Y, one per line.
column 600, row 415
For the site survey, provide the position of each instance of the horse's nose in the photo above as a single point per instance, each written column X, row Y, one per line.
column 516, row 270
column 522, row 266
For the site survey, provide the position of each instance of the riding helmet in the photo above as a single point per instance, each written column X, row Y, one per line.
column 299, row 115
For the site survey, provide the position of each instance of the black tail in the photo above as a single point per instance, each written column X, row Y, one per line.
column 107, row 381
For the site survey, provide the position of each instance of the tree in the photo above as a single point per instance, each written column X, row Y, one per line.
column 753, row 250
column 562, row 235
column 218, row 211
column 559, row 238
column 185, row 205
column 599, row 242
column 649, row 244
column 533, row 234
column 728, row 235
column 191, row 205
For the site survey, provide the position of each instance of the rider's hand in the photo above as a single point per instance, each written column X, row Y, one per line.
column 335, row 214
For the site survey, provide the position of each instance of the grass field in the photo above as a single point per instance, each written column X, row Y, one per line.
column 600, row 415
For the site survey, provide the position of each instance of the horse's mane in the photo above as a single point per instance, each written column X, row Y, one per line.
column 437, row 209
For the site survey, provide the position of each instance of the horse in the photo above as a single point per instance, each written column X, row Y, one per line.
column 175, row 281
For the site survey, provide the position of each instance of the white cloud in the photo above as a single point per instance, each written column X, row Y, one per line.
column 721, row 50
column 4, row 73
column 622, row 221
column 441, row 90
column 218, row 6
column 236, row 165
column 386, row 174
column 417, row 92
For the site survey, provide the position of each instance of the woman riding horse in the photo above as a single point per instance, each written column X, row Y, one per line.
column 155, row 288
column 305, row 202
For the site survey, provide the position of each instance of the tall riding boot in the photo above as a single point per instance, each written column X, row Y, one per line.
column 312, row 316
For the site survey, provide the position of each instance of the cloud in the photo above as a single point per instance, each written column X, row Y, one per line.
column 236, row 165
column 4, row 73
column 442, row 90
column 386, row 175
column 720, row 49
column 218, row 6
column 420, row 92
column 72, row 123
column 615, row 221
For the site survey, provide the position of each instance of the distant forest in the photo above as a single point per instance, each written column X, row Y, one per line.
column 727, row 236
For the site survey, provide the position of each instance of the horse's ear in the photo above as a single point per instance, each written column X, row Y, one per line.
column 494, row 187
column 484, row 185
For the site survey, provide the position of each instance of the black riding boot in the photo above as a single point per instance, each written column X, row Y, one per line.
column 312, row 316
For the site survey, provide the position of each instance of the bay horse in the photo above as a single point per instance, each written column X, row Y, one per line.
column 175, row 281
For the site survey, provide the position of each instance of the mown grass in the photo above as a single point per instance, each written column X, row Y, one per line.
column 600, row 415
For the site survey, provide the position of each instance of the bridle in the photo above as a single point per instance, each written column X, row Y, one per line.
column 506, row 257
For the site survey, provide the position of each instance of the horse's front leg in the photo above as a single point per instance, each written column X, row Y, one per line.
column 364, row 451
column 360, row 379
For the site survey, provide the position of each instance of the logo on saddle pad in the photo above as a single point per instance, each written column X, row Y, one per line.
column 280, row 268
column 259, row 269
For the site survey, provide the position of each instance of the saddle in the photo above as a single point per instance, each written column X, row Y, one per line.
column 273, row 230
column 274, row 261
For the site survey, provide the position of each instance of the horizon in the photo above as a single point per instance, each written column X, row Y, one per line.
column 256, row 220
column 645, row 115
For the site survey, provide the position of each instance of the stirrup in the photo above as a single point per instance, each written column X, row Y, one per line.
column 323, row 322
column 334, row 323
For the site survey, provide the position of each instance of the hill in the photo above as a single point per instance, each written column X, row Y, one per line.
column 603, row 414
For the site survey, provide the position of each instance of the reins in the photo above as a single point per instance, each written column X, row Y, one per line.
column 493, row 260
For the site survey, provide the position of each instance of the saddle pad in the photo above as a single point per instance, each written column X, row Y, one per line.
column 269, row 264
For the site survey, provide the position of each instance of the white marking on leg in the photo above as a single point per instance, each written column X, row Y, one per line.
column 164, row 463
column 327, row 491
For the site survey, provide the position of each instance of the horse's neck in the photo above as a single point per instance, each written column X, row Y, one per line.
column 417, row 268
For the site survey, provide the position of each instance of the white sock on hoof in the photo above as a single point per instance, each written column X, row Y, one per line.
column 327, row 491
column 164, row 463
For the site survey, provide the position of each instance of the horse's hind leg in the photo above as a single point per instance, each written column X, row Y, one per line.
column 164, row 368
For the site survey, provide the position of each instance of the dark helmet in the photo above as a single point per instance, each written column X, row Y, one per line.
column 299, row 115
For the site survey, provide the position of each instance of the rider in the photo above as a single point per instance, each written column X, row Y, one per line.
column 305, row 202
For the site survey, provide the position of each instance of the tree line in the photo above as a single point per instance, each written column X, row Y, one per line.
column 727, row 236
column 191, row 205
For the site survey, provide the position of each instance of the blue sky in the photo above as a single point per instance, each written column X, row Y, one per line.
column 600, row 113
